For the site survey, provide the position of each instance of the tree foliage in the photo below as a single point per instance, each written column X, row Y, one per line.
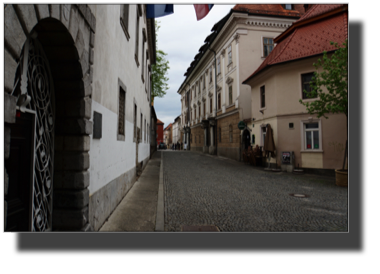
column 334, row 77
column 159, row 71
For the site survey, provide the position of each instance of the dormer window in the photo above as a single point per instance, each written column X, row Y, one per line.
column 287, row 6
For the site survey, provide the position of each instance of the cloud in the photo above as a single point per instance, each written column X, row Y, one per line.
column 181, row 36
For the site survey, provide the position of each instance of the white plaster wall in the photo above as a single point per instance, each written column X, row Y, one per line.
column 110, row 158
column 113, row 60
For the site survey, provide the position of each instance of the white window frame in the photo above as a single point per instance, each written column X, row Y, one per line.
column 218, row 70
column 229, row 50
column 232, row 92
column 303, row 124
column 262, row 44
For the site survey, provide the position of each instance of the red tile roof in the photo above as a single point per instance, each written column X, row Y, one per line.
column 168, row 127
column 271, row 9
column 308, row 38
column 159, row 121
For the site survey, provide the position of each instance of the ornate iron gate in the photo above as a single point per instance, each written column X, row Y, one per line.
column 35, row 92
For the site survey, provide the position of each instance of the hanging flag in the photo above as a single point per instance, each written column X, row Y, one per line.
column 154, row 11
column 202, row 10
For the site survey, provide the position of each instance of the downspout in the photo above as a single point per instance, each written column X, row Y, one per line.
column 216, row 102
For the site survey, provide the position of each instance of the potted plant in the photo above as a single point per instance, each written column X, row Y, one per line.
column 334, row 77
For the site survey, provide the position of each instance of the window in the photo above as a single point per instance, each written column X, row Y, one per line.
column 142, row 57
column 306, row 88
column 204, row 108
column 124, row 19
column 204, row 81
column 287, row 6
column 230, row 129
column 262, row 96
column 219, row 103
column 135, row 124
column 268, row 46
column 230, row 95
column 138, row 14
column 141, row 128
column 311, row 136
column 199, row 85
column 199, row 111
column 145, row 131
column 210, row 76
column 263, row 134
column 210, row 105
column 218, row 66
column 121, row 124
column 229, row 54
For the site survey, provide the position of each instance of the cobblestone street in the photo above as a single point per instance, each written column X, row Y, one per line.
column 208, row 190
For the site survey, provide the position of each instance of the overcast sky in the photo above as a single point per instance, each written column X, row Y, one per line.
column 181, row 36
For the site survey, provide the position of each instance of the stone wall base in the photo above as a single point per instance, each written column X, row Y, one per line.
column 206, row 149
column 104, row 201
column 229, row 152
column 211, row 150
column 198, row 149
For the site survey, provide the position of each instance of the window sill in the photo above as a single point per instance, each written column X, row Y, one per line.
column 124, row 29
column 230, row 64
column 309, row 99
column 312, row 151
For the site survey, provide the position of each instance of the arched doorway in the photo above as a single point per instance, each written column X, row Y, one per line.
column 48, row 163
column 245, row 139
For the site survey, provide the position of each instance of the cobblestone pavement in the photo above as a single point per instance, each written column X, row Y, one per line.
column 208, row 190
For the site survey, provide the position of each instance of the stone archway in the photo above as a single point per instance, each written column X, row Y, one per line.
column 66, row 35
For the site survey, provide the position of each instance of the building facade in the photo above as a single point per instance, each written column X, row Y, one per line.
column 168, row 134
column 160, row 132
column 176, row 130
column 213, row 99
column 80, row 102
column 279, row 83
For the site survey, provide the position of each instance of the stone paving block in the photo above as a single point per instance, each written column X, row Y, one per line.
column 75, row 126
column 27, row 15
column 207, row 190
column 55, row 11
column 71, row 179
column 74, row 23
column 71, row 161
column 70, row 219
column 7, row 142
column 13, row 32
column 42, row 11
column 71, row 199
column 9, row 108
column 10, row 66
column 65, row 14
column 72, row 143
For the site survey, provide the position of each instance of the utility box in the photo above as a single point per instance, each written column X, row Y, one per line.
column 287, row 161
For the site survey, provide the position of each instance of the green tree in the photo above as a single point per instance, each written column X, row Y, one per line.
column 334, row 77
column 159, row 71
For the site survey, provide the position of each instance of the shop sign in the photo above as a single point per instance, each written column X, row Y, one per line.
column 241, row 125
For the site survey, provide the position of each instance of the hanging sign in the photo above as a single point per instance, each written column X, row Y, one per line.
column 241, row 125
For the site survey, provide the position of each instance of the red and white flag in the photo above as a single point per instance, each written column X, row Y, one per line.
column 202, row 10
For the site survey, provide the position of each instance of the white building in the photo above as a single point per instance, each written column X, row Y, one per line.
column 176, row 130
column 90, row 102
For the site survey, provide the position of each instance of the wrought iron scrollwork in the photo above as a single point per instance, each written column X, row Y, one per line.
column 34, row 86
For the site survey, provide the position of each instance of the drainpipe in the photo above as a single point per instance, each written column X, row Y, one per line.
column 216, row 102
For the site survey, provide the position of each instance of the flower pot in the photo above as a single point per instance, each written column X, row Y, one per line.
column 341, row 177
